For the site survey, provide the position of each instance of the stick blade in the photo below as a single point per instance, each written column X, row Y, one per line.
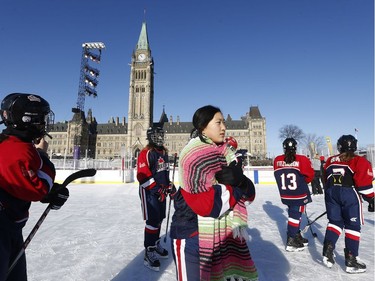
column 79, row 174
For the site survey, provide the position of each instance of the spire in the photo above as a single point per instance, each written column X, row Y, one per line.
column 163, row 117
column 255, row 112
column 143, row 38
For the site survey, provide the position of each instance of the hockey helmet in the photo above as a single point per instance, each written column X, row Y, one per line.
column 232, row 143
column 346, row 143
column 155, row 135
column 27, row 112
column 289, row 144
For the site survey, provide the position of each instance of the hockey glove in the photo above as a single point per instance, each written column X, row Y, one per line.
column 164, row 191
column 172, row 190
column 371, row 205
column 240, row 155
column 57, row 196
column 231, row 175
column 247, row 188
column 162, row 195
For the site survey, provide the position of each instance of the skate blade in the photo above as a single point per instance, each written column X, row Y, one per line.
column 327, row 263
column 154, row 268
column 353, row 270
column 294, row 249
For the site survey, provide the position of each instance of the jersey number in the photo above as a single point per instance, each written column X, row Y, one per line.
column 339, row 171
column 288, row 181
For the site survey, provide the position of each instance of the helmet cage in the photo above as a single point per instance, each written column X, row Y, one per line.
column 156, row 136
column 27, row 112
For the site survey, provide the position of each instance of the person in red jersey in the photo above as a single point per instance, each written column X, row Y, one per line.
column 154, row 187
column 292, row 173
column 26, row 174
column 348, row 178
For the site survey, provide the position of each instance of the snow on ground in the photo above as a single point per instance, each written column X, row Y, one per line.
column 98, row 235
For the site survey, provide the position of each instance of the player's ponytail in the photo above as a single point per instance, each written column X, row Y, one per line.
column 290, row 156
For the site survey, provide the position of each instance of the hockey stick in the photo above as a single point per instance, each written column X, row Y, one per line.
column 69, row 179
column 310, row 223
column 170, row 200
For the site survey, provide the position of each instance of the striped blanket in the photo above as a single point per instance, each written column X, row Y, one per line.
column 223, row 249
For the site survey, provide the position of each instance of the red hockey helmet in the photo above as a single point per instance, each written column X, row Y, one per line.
column 231, row 142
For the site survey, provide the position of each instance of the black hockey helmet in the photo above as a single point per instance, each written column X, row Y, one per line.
column 27, row 112
column 346, row 143
column 289, row 144
column 155, row 135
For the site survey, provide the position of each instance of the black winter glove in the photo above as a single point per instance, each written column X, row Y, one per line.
column 371, row 205
column 57, row 196
column 243, row 184
column 231, row 174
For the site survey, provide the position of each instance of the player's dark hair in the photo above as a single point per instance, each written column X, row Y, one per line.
column 153, row 146
column 290, row 156
column 3, row 137
column 347, row 156
column 201, row 118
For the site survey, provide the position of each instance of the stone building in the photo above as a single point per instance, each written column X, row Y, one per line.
column 113, row 139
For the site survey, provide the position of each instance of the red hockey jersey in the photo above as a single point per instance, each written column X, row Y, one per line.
column 24, row 177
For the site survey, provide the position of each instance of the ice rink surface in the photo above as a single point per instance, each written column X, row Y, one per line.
column 98, row 235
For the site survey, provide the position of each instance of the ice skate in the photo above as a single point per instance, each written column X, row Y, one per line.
column 151, row 260
column 353, row 264
column 328, row 255
column 303, row 240
column 293, row 244
column 163, row 253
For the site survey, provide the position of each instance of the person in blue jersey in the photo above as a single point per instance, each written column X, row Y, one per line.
column 154, row 186
column 293, row 172
column 348, row 179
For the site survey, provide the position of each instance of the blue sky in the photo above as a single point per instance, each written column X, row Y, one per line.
column 306, row 63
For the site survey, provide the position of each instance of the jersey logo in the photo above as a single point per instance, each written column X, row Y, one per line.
column 337, row 179
column 162, row 166
column 33, row 98
column 353, row 219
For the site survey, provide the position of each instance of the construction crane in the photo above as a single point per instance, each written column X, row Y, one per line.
column 91, row 53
